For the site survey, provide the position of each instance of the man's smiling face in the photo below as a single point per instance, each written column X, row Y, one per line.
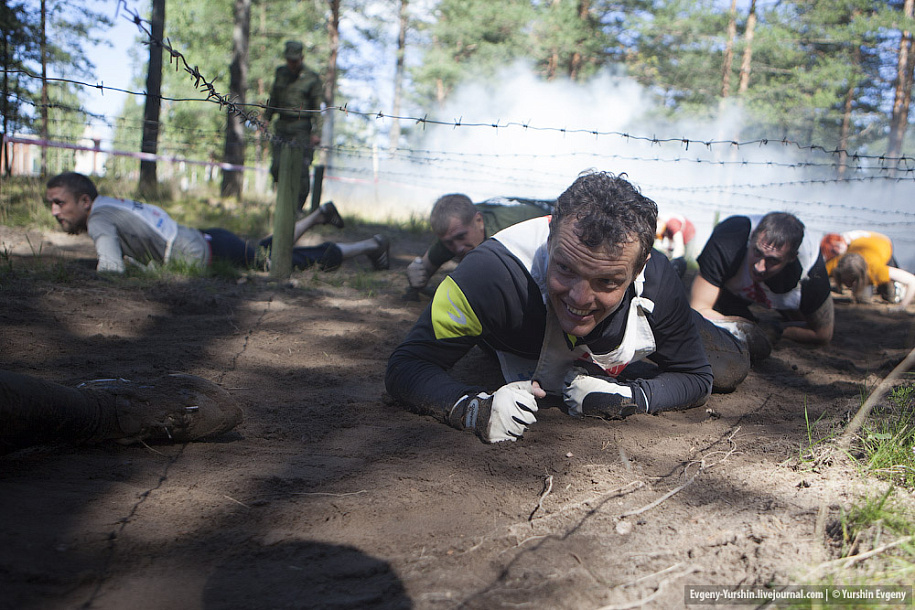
column 586, row 285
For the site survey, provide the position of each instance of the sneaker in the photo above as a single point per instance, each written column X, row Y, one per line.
column 380, row 257
column 331, row 215
column 898, row 291
column 178, row 408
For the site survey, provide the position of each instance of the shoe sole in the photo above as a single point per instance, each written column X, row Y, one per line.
column 333, row 216
column 382, row 261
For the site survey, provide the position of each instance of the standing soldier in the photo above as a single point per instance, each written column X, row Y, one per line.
column 294, row 99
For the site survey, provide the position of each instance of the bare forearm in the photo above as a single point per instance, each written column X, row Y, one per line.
column 803, row 334
column 817, row 327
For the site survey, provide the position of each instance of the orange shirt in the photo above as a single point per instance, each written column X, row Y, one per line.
column 876, row 250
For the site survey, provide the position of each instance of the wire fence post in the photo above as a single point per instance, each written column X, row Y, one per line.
column 287, row 192
column 317, row 187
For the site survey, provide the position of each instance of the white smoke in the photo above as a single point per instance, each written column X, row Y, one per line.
column 521, row 135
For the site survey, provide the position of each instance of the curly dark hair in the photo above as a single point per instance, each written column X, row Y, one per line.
column 610, row 212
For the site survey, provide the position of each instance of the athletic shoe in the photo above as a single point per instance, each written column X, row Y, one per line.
column 178, row 408
column 899, row 291
column 380, row 257
column 331, row 215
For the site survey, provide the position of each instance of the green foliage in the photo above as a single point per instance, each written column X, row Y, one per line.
column 202, row 33
column 880, row 526
column 18, row 47
column 818, row 438
column 815, row 65
column 678, row 53
column 569, row 40
column 69, row 28
column 472, row 38
column 888, row 439
column 872, row 512
column 22, row 204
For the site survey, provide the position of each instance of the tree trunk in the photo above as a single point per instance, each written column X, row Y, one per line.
column 232, row 180
column 903, row 97
column 399, row 73
column 330, row 81
column 150, row 145
column 584, row 6
column 748, row 51
column 260, row 150
column 729, row 51
column 846, row 119
column 44, row 87
column 6, row 57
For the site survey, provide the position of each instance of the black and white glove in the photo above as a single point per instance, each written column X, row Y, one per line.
column 588, row 395
column 503, row 416
column 417, row 274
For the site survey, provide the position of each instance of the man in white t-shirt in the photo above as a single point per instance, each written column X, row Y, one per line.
column 129, row 231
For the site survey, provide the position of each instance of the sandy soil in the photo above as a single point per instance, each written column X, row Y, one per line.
column 329, row 496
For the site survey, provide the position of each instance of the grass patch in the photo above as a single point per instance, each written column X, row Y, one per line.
column 415, row 224
column 22, row 204
column 878, row 533
column 370, row 283
column 888, row 438
column 820, row 433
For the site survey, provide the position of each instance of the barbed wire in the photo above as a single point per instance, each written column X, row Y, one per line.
column 895, row 169
column 413, row 154
column 457, row 162
column 796, row 202
column 57, row 106
column 885, row 162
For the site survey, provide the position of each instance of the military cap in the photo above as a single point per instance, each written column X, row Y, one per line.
column 293, row 49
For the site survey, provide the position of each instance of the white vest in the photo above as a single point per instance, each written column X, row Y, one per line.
column 527, row 241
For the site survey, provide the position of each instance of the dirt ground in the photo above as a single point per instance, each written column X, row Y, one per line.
column 328, row 496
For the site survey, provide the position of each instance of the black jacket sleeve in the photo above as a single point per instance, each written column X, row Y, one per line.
column 684, row 376
column 490, row 300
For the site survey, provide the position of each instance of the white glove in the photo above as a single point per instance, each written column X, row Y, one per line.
column 417, row 275
column 588, row 395
column 503, row 416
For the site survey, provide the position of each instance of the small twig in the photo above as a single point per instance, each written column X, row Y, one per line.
column 670, row 493
column 321, row 493
column 664, row 571
column 619, row 490
column 647, row 600
column 847, row 562
column 845, row 440
column 528, row 539
column 727, row 453
column 142, row 442
column 234, row 500
column 547, row 488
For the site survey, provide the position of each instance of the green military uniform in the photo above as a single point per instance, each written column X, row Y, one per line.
column 293, row 99
column 498, row 213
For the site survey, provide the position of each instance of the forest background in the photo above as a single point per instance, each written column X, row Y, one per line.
column 713, row 108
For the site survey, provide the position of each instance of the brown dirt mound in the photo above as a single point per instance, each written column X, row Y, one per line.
column 330, row 497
